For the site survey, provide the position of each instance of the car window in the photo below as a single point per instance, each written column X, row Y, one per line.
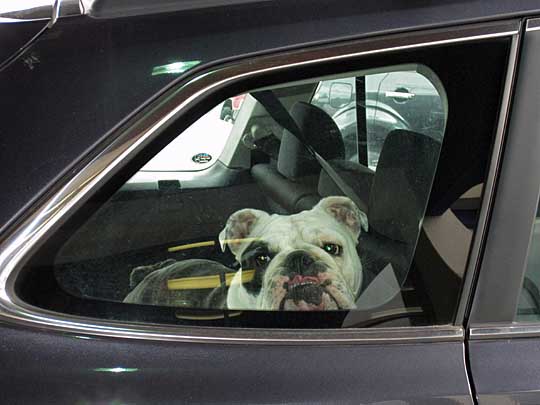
column 529, row 301
column 254, row 242
column 307, row 206
column 337, row 97
column 198, row 148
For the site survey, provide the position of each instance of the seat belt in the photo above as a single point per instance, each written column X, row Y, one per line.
column 279, row 113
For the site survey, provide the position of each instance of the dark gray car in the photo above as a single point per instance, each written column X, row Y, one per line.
column 445, row 306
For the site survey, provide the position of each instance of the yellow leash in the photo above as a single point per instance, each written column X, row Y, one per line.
column 208, row 243
column 205, row 282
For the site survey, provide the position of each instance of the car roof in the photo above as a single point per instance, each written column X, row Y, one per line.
column 379, row 14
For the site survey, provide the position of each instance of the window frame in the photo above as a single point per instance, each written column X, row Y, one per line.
column 493, row 314
column 181, row 102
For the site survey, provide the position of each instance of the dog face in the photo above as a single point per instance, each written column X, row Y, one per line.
column 302, row 262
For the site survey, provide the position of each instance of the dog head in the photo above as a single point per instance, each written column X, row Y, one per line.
column 305, row 261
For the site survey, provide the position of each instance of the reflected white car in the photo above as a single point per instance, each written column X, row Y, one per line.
column 198, row 148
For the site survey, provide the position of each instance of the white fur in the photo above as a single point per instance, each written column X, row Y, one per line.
column 334, row 220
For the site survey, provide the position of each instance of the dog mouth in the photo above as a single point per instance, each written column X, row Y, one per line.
column 308, row 293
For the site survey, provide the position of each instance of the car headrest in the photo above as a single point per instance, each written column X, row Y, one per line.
column 402, row 183
column 355, row 175
column 320, row 131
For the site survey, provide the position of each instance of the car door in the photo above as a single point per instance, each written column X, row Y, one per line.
column 75, row 348
column 503, row 346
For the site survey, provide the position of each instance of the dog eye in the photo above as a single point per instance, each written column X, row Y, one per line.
column 262, row 259
column 332, row 249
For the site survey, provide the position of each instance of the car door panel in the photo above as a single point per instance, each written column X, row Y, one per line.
column 505, row 371
column 92, row 370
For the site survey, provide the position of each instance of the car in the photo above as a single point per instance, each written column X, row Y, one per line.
column 231, row 107
column 195, row 151
column 394, row 100
column 261, row 201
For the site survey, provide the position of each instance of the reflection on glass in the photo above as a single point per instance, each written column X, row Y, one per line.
column 174, row 68
column 116, row 370
column 237, row 214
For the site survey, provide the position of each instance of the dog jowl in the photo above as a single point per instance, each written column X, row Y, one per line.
column 303, row 262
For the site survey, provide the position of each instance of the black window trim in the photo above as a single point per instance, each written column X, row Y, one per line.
column 141, row 128
column 478, row 242
column 492, row 317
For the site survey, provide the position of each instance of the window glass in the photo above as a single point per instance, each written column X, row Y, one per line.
column 337, row 97
column 321, row 202
column 529, row 300
column 200, row 145
column 289, row 238
column 392, row 100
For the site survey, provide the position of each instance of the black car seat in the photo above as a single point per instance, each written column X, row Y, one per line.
column 400, row 222
column 291, row 183
column 396, row 194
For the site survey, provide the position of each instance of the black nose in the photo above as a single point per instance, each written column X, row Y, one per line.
column 299, row 262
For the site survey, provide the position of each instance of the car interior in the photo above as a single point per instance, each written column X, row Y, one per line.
column 421, row 208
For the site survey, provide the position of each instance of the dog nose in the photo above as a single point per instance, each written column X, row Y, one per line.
column 299, row 262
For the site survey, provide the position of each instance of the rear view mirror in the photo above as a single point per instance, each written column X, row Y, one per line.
column 340, row 94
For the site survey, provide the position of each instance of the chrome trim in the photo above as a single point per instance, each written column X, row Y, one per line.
column 145, row 126
column 533, row 24
column 489, row 186
column 78, row 326
column 55, row 13
column 504, row 331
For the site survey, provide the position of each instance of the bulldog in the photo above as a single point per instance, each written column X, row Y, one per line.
column 303, row 262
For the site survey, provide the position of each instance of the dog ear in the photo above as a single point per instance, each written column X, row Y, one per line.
column 238, row 227
column 345, row 211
